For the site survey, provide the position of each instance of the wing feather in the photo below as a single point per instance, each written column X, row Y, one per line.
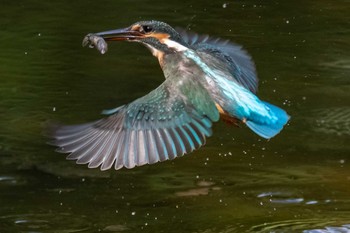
column 235, row 59
column 166, row 123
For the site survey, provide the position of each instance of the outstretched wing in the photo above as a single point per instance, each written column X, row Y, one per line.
column 238, row 62
column 166, row 123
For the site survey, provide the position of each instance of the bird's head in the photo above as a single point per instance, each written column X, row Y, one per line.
column 159, row 37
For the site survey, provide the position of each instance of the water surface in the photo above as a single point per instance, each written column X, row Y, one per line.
column 296, row 182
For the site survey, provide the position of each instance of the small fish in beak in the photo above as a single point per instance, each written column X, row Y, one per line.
column 95, row 41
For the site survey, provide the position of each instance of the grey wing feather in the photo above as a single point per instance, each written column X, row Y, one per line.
column 156, row 127
column 239, row 62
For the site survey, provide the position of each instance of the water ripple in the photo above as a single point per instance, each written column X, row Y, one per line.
column 317, row 225
column 42, row 223
column 288, row 198
column 341, row 229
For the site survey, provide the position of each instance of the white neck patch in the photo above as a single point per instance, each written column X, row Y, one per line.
column 174, row 45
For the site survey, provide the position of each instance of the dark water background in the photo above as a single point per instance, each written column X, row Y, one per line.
column 297, row 182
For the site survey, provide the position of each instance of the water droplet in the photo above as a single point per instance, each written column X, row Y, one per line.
column 311, row 202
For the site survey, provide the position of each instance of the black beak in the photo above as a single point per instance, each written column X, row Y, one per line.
column 120, row 34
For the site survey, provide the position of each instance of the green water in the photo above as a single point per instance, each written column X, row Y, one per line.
column 296, row 182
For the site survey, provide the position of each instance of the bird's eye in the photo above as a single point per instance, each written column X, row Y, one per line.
column 147, row 29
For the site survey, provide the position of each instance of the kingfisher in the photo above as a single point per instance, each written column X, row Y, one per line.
column 206, row 79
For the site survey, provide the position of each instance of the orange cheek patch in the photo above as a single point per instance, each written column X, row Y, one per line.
column 158, row 36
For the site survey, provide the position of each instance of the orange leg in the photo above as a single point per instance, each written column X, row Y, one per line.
column 227, row 118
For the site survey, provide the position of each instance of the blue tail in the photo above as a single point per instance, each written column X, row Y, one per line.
column 270, row 130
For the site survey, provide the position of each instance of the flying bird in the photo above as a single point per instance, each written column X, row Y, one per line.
column 205, row 78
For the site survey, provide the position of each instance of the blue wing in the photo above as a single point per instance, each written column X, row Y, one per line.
column 159, row 126
column 237, row 61
column 233, row 61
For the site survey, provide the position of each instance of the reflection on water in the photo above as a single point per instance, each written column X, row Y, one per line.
column 282, row 198
column 340, row 64
column 333, row 121
column 296, row 182
column 341, row 229
column 298, row 225
column 204, row 187
column 40, row 222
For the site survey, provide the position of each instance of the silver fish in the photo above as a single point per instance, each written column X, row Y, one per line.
column 95, row 41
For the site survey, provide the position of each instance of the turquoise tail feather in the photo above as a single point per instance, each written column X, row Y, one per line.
column 270, row 130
